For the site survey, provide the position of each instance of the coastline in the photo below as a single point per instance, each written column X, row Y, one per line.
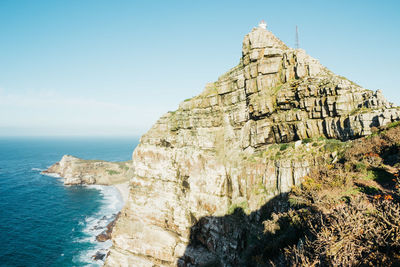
column 114, row 198
column 123, row 189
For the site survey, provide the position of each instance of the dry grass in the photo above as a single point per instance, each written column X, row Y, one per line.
column 348, row 213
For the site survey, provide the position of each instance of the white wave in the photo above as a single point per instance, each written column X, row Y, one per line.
column 56, row 175
column 37, row 169
column 87, row 255
column 112, row 203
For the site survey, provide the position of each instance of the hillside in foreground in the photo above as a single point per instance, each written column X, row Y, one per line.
column 345, row 213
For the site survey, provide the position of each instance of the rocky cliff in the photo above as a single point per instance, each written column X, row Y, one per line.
column 78, row 171
column 232, row 149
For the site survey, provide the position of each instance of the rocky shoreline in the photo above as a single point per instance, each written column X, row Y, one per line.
column 76, row 171
column 106, row 234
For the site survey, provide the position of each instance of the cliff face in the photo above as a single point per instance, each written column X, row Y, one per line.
column 226, row 148
column 79, row 171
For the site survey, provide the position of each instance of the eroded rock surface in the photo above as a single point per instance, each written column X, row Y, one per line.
column 79, row 171
column 219, row 151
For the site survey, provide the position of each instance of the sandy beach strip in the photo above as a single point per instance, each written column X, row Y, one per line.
column 124, row 190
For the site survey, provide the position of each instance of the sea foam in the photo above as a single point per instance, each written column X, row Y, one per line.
column 55, row 175
column 94, row 225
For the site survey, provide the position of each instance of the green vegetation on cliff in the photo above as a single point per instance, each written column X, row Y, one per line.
column 343, row 214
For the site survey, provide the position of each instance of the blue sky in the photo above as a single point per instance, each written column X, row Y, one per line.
column 111, row 68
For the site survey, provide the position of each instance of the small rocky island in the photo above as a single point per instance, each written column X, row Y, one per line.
column 76, row 171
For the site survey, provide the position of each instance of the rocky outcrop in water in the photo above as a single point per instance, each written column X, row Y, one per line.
column 106, row 234
column 79, row 171
column 232, row 149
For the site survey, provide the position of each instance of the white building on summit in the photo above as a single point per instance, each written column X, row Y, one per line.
column 262, row 25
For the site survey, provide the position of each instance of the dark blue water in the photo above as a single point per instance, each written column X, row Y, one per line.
column 43, row 222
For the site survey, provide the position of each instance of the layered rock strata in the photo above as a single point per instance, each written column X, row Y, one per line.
column 223, row 150
column 79, row 171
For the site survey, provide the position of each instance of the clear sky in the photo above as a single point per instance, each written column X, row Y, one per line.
column 95, row 67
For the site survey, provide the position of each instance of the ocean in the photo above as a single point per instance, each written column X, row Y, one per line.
column 43, row 222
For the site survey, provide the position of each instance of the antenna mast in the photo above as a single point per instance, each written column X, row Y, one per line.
column 297, row 38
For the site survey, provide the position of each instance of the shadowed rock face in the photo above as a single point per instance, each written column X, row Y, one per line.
column 80, row 171
column 219, row 151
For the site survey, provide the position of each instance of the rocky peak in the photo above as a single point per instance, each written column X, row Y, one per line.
column 270, row 53
column 260, row 38
column 220, row 150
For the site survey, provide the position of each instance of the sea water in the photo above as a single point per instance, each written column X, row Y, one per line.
column 43, row 222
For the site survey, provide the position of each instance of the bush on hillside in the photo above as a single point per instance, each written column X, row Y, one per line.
column 347, row 213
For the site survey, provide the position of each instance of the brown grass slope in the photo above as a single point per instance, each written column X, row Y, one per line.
column 346, row 213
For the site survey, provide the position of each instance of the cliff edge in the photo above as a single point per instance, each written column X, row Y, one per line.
column 241, row 143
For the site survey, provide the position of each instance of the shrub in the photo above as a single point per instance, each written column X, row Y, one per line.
column 242, row 205
column 341, row 238
column 307, row 140
column 353, row 216
column 360, row 167
column 283, row 147
column 112, row 172
column 393, row 124
column 332, row 145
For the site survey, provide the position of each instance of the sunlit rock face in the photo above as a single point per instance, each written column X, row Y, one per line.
column 220, row 150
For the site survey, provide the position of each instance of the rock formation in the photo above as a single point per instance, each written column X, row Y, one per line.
column 106, row 234
column 227, row 148
column 78, row 171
